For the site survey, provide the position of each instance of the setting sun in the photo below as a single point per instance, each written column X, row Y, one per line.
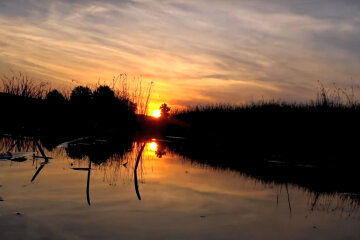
column 156, row 113
column 153, row 146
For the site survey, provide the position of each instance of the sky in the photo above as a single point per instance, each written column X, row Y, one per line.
column 194, row 51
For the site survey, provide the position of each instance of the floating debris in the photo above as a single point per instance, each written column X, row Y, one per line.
column 291, row 164
column 80, row 169
column 66, row 144
column 18, row 213
column 174, row 137
column 5, row 156
column 349, row 194
column 16, row 156
column 278, row 162
column 161, row 140
column 83, row 141
column 1, row 199
column 305, row 165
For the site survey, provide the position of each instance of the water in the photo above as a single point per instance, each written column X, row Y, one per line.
column 180, row 199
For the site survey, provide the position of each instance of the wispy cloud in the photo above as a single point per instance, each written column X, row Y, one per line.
column 195, row 51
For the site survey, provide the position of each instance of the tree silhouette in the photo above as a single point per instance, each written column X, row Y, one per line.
column 104, row 94
column 165, row 110
column 55, row 97
column 81, row 94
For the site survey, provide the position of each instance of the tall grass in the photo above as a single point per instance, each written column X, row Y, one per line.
column 101, row 109
column 131, row 89
column 336, row 97
column 326, row 99
column 128, row 90
column 22, row 85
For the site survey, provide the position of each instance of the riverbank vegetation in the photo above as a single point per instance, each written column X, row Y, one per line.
column 30, row 106
column 310, row 144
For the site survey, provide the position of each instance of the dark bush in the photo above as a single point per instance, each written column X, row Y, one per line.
column 104, row 94
column 55, row 97
column 81, row 94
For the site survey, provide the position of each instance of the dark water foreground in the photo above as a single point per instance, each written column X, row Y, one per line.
column 90, row 188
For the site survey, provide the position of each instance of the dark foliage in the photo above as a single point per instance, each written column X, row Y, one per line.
column 310, row 145
column 81, row 95
column 85, row 113
column 55, row 97
column 99, row 151
column 165, row 110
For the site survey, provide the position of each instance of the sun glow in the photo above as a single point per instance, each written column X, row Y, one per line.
column 156, row 113
column 153, row 146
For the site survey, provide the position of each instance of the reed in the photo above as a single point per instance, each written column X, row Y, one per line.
column 98, row 108
column 24, row 86
column 131, row 89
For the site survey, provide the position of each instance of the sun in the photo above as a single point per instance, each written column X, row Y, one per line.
column 156, row 113
column 153, row 146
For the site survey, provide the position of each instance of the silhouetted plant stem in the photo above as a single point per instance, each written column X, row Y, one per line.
column 88, row 184
column 135, row 171
column 288, row 198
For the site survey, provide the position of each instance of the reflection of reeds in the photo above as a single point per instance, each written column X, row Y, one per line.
column 24, row 144
column 121, row 167
column 272, row 138
column 325, row 191
column 345, row 204
column 334, row 203
column 116, row 167
column 21, row 144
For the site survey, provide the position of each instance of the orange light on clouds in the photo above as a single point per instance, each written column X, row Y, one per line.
column 156, row 113
column 186, row 75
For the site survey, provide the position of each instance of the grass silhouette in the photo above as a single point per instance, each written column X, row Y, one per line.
column 318, row 134
column 310, row 144
column 31, row 108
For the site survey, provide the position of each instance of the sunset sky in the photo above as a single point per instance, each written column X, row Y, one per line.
column 195, row 51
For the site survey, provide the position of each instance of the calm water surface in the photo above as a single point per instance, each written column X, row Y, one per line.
column 179, row 200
